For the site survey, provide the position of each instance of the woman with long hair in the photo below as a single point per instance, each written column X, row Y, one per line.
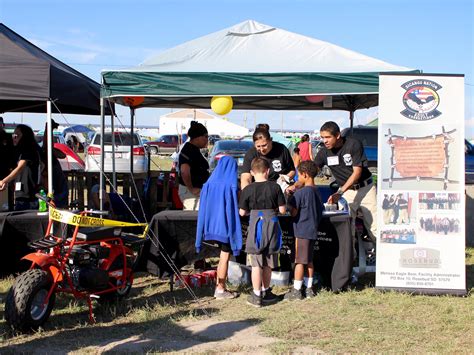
column 26, row 174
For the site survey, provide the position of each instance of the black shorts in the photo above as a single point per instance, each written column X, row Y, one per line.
column 225, row 247
column 304, row 249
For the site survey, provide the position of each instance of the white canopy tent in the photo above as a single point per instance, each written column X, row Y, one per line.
column 260, row 66
column 180, row 121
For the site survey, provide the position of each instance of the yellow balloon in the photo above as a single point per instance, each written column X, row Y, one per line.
column 221, row 104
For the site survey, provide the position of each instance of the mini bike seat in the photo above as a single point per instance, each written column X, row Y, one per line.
column 95, row 234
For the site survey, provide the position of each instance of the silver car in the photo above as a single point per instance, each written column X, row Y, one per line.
column 122, row 153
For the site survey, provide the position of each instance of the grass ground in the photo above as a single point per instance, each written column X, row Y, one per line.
column 160, row 162
column 153, row 319
column 156, row 320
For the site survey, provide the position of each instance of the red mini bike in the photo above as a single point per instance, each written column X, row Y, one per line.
column 96, row 260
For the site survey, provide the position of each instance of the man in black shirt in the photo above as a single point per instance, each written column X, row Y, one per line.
column 281, row 162
column 348, row 163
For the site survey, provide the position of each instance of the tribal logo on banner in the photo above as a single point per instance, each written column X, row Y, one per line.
column 421, row 99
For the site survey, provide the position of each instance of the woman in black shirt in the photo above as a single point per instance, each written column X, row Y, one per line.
column 26, row 174
column 278, row 156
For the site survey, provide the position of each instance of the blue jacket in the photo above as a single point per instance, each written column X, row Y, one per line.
column 218, row 216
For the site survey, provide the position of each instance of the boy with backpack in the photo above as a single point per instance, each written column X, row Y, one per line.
column 263, row 200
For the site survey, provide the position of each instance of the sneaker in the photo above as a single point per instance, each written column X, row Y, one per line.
column 269, row 297
column 254, row 300
column 294, row 294
column 310, row 293
column 225, row 295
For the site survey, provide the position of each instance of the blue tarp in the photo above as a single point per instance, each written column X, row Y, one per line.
column 77, row 129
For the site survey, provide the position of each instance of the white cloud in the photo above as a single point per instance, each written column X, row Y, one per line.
column 79, row 47
column 78, row 57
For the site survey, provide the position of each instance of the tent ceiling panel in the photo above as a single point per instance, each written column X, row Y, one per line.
column 339, row 102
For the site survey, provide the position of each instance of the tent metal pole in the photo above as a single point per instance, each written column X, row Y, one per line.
column 112, row 128
column 49, row 135
column 132, row 119
column 351, row 119
column 281, row 129
column 102, row 154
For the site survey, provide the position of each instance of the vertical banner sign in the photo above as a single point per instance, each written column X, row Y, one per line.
column 420, row 188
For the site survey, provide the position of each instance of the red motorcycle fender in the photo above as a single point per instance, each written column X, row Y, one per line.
column 45, row 262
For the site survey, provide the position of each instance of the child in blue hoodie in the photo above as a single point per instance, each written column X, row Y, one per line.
column 218, row 219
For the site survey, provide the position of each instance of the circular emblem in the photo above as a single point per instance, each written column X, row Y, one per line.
column 421, row 99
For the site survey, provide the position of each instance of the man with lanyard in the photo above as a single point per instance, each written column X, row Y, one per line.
column 281, row 162
column 348, row 163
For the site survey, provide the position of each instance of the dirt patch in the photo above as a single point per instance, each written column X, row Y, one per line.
column 201, row 336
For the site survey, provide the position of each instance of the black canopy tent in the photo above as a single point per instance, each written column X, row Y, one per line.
column 32, row 80
column 29, row 77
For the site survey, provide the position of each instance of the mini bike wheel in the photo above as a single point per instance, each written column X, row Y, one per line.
column 123, row 291
column 24, row 306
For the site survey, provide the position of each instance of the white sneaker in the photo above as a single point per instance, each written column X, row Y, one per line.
column 226, row 294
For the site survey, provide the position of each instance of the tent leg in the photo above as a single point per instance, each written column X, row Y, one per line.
column 114, row 173
column 351, row 119
column 102, row 154
column 132, row 119
column 49, row 136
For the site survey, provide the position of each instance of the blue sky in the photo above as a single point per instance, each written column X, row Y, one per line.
column 435, row 36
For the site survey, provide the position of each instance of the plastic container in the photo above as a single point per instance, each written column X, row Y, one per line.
column 42, row 205
column 280, row 278
column 238, row 274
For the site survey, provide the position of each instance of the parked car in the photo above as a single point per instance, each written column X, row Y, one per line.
column 368, row 135
column 122, row 153
column 165, row 144
column 68, row 159
column 9, row 127
column 57, row 138
column 213, row 138
column 469, row 162
column 234, row 148
column 316, row 146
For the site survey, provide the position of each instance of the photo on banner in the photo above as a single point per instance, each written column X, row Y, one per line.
column 421, row 234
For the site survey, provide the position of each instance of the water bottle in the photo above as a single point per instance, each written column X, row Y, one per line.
column 42, row 205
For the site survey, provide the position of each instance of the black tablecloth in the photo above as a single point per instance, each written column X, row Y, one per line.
column 173, row 234
column 16, row 230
